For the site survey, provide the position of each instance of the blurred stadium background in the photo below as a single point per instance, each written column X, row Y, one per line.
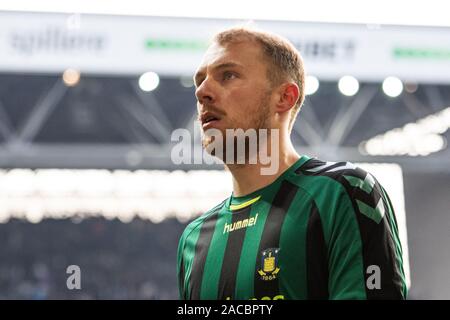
column 88, row 103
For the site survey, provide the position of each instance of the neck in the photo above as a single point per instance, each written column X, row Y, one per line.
column 248, row 178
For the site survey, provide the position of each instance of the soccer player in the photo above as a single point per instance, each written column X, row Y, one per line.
column 311, row 230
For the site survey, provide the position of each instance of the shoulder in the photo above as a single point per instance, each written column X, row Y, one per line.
column 335, row 170
column 346, row 182
column 345, row 174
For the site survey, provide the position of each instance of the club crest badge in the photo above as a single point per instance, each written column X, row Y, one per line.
column 269, row 268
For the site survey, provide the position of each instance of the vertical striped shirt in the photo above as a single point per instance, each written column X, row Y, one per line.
column 322, row 230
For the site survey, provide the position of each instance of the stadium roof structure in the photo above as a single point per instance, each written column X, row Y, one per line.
column 109, row 122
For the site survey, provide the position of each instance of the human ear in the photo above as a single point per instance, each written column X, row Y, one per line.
column 288, row 95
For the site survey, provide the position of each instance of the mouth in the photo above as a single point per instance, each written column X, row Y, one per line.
column 208, row 120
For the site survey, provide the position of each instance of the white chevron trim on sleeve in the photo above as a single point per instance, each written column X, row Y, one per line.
column 348, row 165
column 327, row 164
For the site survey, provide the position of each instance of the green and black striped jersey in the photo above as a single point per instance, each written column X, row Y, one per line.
column 322, row 230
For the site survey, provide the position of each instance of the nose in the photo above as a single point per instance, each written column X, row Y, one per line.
column 205, row 92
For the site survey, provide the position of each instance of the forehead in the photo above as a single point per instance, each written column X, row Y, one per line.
column 246, row 54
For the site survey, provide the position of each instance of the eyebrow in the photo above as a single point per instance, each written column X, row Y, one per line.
column 224, row 65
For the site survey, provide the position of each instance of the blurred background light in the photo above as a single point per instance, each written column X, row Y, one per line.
column 420, row 138
column 348, row 85
column 311, row 85
column 71, row 77
column 148, row 81
column 187, row 82
column 411, row 87
column 392, row 86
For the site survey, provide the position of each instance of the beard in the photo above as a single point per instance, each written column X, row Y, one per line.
column 255, row 121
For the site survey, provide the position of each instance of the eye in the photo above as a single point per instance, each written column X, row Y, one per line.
column 228, row 75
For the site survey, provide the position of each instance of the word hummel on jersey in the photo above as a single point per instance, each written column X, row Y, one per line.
column 322, row 230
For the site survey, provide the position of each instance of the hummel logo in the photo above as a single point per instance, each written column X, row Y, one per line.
column 240, row 224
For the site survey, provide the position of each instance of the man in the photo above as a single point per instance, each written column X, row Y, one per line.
column 311, row 230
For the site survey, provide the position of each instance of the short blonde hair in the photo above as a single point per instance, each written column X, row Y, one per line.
column 284, row 60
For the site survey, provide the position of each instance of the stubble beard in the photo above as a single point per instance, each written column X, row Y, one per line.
column 258, row 121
